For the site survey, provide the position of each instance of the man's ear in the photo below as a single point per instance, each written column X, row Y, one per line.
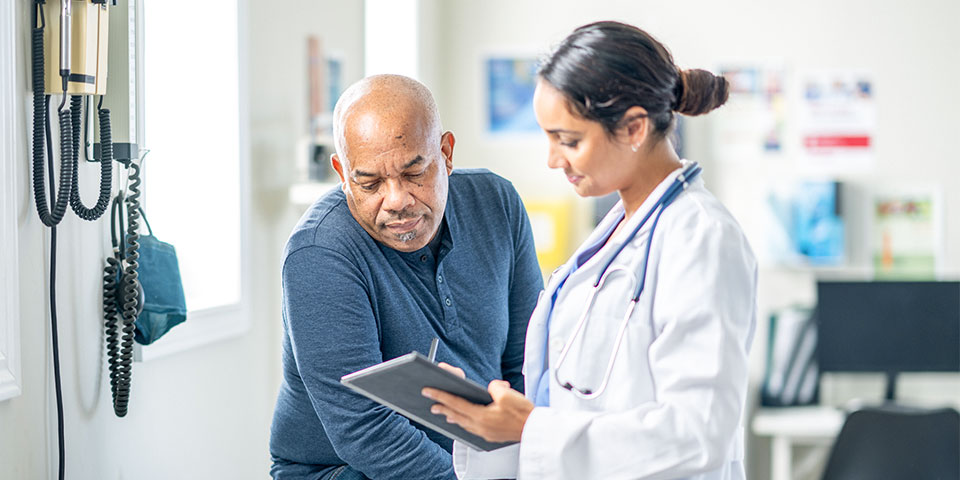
column 338, row 166
column 446, row 147
column 638, row 126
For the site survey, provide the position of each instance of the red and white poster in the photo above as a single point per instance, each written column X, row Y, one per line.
column 836, row 120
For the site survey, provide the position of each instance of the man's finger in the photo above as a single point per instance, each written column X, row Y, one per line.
column 498, row 385
column 454, row 370
column 499, row 389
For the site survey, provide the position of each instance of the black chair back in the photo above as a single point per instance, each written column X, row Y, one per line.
column 893, row 443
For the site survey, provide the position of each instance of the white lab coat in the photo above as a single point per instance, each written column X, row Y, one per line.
column 674, row 405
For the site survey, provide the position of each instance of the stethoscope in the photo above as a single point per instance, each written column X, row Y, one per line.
column 678, row 186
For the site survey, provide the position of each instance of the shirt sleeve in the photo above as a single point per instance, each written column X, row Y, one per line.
column 703, row 318
column 333, row 332
column 525, row 283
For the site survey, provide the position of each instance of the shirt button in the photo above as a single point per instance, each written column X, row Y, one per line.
column 439, row 278
column 423, row 258
column 448, row 302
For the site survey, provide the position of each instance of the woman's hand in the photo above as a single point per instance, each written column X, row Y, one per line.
column 500, row 421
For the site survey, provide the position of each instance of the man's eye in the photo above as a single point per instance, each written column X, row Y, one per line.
column 370, row 186
column 415, row 175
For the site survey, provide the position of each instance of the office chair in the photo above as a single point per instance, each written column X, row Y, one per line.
column 895, row 442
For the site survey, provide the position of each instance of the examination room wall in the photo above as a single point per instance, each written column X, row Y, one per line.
column 908, row 48
column 202, row 413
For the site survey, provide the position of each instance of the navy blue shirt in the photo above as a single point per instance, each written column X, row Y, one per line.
column 350, row 302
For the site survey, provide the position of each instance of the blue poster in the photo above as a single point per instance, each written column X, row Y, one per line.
column 511, row 82
column 811, row 228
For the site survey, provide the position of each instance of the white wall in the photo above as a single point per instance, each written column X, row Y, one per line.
column 908, row 47
column 203, row 413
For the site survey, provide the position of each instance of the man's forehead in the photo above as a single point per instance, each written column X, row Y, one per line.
column 377, row 146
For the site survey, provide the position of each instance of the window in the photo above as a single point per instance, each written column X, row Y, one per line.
column 390, row 37
column 10, row 159
column 195, row 193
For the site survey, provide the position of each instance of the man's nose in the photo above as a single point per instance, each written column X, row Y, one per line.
column 397, row 197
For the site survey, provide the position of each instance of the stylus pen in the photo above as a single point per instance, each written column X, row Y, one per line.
column 433, row 349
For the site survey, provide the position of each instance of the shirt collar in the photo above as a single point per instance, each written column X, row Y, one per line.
column 452, row 231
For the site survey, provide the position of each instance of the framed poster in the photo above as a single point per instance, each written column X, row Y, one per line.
column 837, row 120
column 906, row 235
column 805, row 225
column 751, row 125
column 510, row 83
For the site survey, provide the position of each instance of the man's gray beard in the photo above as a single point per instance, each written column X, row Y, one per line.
column 406, row 237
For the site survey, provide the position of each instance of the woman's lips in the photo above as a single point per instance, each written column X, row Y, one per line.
column 574, row 179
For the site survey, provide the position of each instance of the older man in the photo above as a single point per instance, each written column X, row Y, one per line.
column 407, row 249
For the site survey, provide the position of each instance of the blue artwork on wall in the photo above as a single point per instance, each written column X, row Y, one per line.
column 811, row 229
column 510, row 84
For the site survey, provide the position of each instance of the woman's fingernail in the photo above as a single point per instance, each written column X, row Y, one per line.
column 425, row 393
column 434, row 410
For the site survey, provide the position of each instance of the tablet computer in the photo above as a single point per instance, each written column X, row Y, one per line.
column 397, row 384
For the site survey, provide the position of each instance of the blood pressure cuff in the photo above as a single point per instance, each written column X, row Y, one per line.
column 164, row 306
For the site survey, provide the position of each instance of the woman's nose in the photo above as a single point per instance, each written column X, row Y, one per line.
column 554, row 158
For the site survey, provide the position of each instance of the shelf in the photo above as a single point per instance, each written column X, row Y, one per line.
column 809, row 421
column 304, row 194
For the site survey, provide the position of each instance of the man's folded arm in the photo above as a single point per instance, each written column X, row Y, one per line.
column 333, row 332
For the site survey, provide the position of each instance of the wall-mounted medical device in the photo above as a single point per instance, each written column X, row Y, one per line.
column 84, row 57
column 85, row 37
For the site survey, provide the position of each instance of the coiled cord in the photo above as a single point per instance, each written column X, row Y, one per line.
column 111, row 304
column 110, row 316
column 131, row 294
column 40, row 108
column 106, row 161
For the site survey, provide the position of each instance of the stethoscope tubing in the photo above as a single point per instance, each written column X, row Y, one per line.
column 673, row 191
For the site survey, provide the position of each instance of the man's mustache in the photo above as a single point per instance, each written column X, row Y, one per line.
column 401, row 216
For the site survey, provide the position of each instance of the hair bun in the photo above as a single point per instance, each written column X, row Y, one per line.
column 699, row 91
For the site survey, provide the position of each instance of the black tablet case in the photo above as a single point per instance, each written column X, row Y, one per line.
column 397, row 384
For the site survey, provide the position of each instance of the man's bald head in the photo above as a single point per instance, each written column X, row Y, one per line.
column 393, row 159
column 380, row 104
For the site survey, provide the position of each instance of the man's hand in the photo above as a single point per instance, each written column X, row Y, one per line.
column 454, row 370
column 500, row 421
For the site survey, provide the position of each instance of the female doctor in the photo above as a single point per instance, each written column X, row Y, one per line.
column 636, row 354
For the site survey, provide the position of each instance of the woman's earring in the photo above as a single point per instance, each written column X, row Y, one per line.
column 635, row 148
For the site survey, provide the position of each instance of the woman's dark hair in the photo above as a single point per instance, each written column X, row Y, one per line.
column 605, row 68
